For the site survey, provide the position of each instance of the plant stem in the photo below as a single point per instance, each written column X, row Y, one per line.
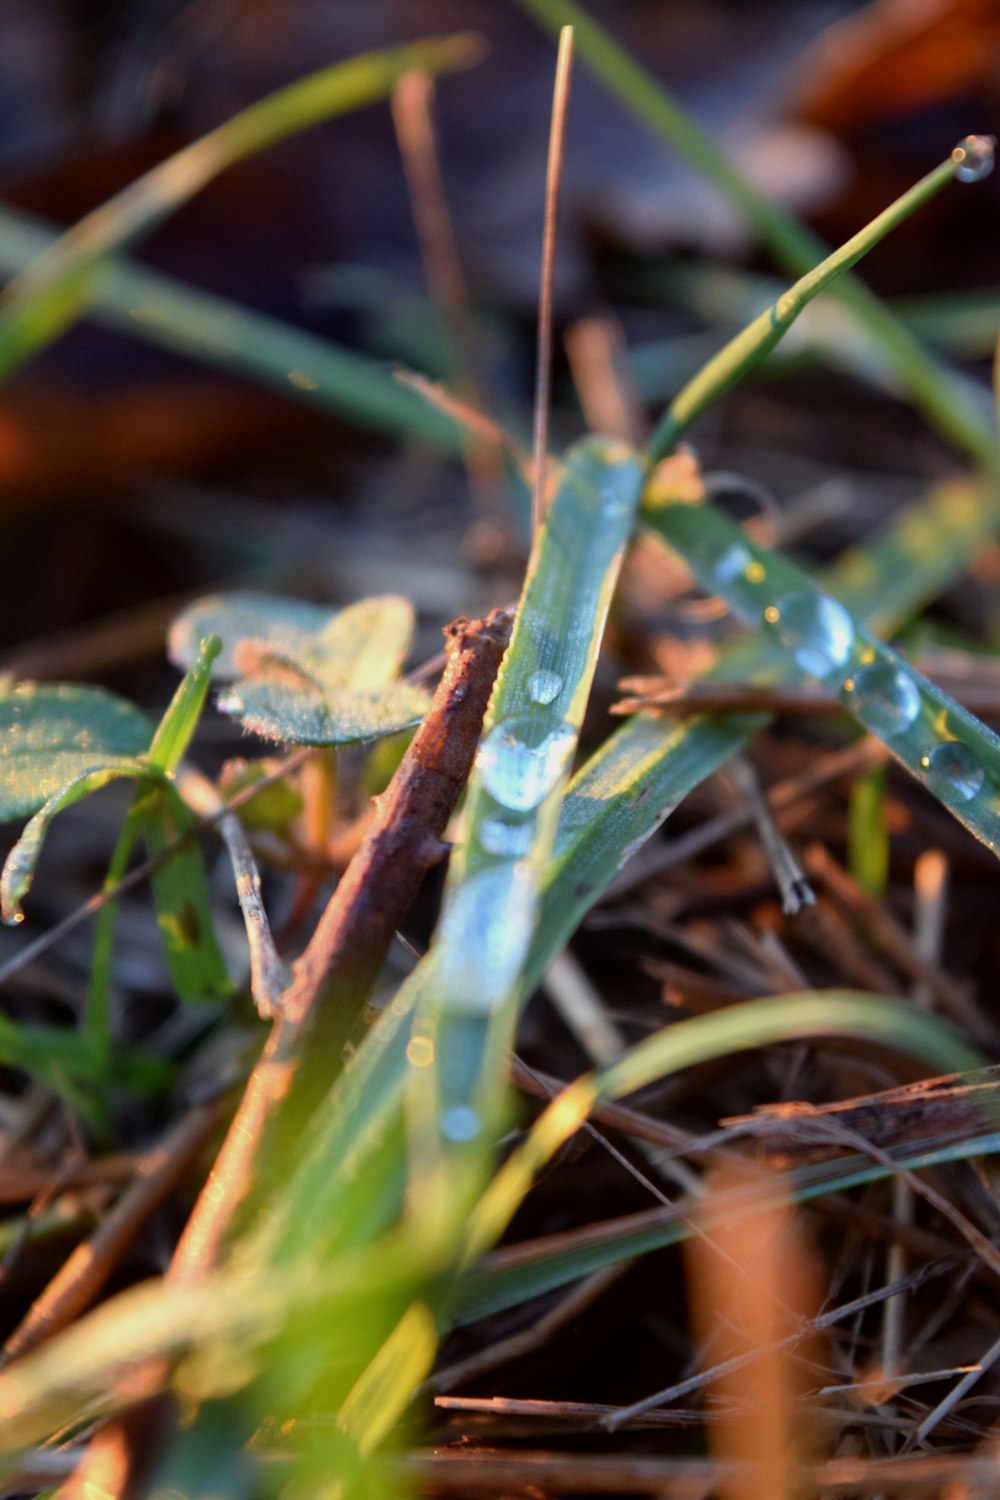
column 340, row 963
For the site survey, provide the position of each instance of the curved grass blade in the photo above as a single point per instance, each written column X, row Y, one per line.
column 939, row 391
column 179, row 722
column 19, row 866
column 171, row 315
column 492, row 1289
column 752, row 1024
column 951, row 752
column 751, row 345
column 42, row 302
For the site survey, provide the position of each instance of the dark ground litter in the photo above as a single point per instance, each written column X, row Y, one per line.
column 131, row 480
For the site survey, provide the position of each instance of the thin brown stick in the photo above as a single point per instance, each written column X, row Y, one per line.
column 595, row 348
column 850, row 761
column 543, row 371
column 346, row 951
column 554, row 1473
column 83, row 1275
column 893, row 937
column 526, row 1340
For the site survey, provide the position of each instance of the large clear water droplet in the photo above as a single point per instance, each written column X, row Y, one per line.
column 520, row 761
column 460, row 1124
column 975, row 157
column 817, row 630
column 505, row 837
column 544, row 686
column 483, row 937
column 732, row 563
column 885, row 699
column 952, row 771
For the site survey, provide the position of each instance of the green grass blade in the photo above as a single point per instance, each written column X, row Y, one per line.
column 45, row 299
column 940, row 394
column 179, row 722
column 168, row 314
column 929, row 545
column 702, row 1039
column 950, row 751
column 491, row 1290
column 182, row 897
column 512, row 807
column 751, row 345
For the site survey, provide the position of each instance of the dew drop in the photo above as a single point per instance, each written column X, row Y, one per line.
column 520, row 763
column 483, row 937
column 951, row 770
column 817, row 630
column 733, row 563
column 613, row 502
column 505, row 838
column 544, row 686
column 974, row 157
column 460, row 1123
column 886, row 699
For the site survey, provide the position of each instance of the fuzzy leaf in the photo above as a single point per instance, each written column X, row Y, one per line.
column 52, row 734
column 288, row 626
column 306, row 716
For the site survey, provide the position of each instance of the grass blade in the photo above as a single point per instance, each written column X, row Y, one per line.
column 494, row 1289
column 702, row 1039
column 941, row 744
column 942, row 395
column 168, row 314
column 46, row 298
column 750, row 346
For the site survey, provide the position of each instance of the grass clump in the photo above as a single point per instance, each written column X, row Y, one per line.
column 351, row 1217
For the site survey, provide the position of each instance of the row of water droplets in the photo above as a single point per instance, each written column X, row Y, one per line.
column 488, row 920
column 488, row 923
column 957, row 757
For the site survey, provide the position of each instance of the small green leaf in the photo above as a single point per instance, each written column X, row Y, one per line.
column 52, row 734
column 364, row 645
column 305, row 716
column 173, row 734
column 19, row 867
column 287, row 625
column 182, row 898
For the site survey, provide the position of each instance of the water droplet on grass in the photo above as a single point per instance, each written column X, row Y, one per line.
column 460, row 1123
column 520, row 762
column 483, row 937
column 951, row 770
column 505, row 838
column 733, row 563
column 544, row 686
column 975, row 157
column 817, row 630
column 886, row 699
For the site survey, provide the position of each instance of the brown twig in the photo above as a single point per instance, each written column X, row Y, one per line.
column 892, row 937
column 346, row 951
column 82, row 1276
